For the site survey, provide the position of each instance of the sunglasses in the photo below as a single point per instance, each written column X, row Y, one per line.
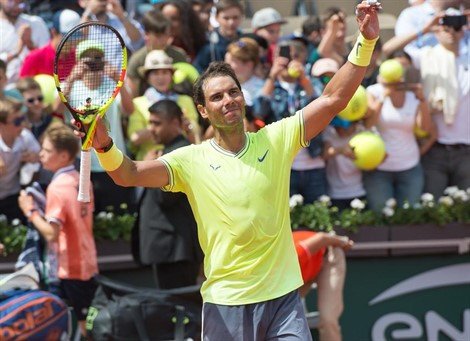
column 18, row 121
column 34, row 99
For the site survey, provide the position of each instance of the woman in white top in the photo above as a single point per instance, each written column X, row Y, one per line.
column 395, row 108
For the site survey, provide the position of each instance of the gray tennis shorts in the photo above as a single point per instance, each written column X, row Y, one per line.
column 282, row 318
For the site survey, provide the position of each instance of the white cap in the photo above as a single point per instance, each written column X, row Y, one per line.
column 63, row 21
column 265, row 17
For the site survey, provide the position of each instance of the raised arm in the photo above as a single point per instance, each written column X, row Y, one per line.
column 341, row 88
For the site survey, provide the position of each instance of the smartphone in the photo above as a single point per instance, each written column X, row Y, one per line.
column 284, row 51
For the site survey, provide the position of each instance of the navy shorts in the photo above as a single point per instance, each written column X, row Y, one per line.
column 282, row 318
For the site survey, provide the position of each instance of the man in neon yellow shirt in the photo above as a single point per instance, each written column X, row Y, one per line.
column 238, row 187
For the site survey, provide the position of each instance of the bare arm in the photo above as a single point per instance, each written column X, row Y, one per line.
column 343, row 85
column 398, row 42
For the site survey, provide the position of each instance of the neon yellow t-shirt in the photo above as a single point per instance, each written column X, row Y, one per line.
column 241, row 205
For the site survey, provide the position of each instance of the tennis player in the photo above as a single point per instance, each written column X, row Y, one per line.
column 238, row 186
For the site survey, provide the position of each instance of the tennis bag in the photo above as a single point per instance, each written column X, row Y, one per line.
column 32, row 315
column 122, row 312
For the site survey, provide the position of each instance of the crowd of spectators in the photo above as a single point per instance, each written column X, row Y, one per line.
column 431, row 94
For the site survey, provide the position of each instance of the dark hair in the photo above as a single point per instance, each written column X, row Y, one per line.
column 223, row 5
column 155, row 22
column 27, row 83
column 8, row 105
column 215, row 69
column 262, row 42
column 400, row 54
column 62, row 138
column 3, row 65
column 168, row 109
column 329, row 12
column 311, row 24
column 193, row 34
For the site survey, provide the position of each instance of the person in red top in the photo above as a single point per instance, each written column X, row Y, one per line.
column 328, row 270
column 41, row 60
column 66, row 221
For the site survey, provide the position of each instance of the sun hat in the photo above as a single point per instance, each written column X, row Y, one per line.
column 156, row 60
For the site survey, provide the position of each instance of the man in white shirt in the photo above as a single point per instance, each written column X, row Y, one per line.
column 20, row 33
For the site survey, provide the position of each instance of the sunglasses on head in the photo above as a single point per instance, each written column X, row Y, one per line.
column 18, row 121
column 33, row 99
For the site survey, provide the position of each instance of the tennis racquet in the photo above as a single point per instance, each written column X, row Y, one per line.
column 89, row 69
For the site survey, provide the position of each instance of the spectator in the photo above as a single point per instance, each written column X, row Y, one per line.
column 321, row 258
column 167, row 228
column 395, row 112
column 157, row 37
column 243, row 57
column 158, row 72
column 237, row 185
column 17, row 147
column 41, row 60
column 20, row 34
column 416, row 19
column 186, row 28
column 112, row 13
column 343, row 177
column 36, row 113
column 229, row 14
column 333, row 45
column 264, row 66
column 267, row 23
column 66, row 221
column 445, row 77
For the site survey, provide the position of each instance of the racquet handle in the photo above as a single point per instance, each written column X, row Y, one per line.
column 84, row 184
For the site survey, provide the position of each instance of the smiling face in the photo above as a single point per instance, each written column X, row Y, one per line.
column 224, row 103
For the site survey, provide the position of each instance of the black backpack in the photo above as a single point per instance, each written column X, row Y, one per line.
column 122, row 312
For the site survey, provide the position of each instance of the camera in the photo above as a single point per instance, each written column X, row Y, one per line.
column 94, row 63
column 454, row 21
column 284, row 51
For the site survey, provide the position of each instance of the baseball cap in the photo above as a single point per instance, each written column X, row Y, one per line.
column 266, row 16
column 87, row 45
column 324, row 65
column 155, row 60
column 64, row 20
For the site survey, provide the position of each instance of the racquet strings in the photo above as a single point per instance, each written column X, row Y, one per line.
column 92, row 56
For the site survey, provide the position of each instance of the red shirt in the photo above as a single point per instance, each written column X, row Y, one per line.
column 41, row 61
column 310, row 264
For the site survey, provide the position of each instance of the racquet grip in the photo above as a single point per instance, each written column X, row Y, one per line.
column 84, row 184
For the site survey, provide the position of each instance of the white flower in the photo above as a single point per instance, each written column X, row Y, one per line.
column 417, row 205
column 406, row 205
column 110, row 215
column 451, row 190
column 388, row 211
column 101, row 215
column 358, row 204
column 295, row 200
column 391, row 203
column 427, row 197
column 460, row 195
column 446, row 200
column 468, row 191
column 15, row 222
column 3, row 218
column 325, row 200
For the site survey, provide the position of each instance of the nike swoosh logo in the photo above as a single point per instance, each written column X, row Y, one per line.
column 357, row 48
column 215, row 167
column 264, row 156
